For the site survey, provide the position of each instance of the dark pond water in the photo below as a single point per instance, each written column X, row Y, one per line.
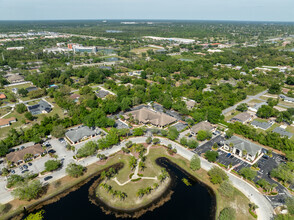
column 187, row 202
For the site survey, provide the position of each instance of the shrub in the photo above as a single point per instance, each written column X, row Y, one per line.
column 195, row 163
column 217, row 175
column 227, row 214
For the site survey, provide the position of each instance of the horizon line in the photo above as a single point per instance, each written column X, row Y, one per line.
column 143, row 19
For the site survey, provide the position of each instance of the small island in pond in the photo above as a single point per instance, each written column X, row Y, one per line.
column 138, row 183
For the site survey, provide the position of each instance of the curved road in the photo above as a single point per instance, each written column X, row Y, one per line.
column 265, row 210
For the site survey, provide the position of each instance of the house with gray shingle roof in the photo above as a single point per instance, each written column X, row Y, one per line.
column 282, row 132
column 102, row 93
column 41, row 107
column 243, row 148
column 261, row 125
column 79, row 134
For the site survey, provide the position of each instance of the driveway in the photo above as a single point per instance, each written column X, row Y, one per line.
column 250, row 98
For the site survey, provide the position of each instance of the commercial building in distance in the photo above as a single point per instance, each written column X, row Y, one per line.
column 172, row 39
column 82, row 49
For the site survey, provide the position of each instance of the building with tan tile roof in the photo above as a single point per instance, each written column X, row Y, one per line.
column 147, row 116
column 18, row 156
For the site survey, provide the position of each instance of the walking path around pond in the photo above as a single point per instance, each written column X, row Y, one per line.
column 135, row 175
column 264, row 212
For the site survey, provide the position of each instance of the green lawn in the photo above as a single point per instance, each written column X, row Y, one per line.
column 231, row 114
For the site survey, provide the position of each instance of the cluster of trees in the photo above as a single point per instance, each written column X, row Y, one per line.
column 51, row 165
column 270, row 139
column 147, row 190
column 266, row 185
column 108, row 174
column 284, row 173
column 248, row 173
column 89, row 149
column 115, row 193
column 191, row 143
column 211, row 155
column 203, row 135
column 163, row 175
column 28, row 191
column 75, row 170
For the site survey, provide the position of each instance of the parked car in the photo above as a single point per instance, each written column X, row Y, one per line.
column 228, row 155
column 265, row 156
column 30, row 164
column 22, row 147
column 48, row 178
column 52, row 151
column 25, row 166
column 12, row 171
column 24, row 171
column 21, row 168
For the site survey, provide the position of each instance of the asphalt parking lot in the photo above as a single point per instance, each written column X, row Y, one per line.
column 207, row 146
column 180, row 126
column 227, row 159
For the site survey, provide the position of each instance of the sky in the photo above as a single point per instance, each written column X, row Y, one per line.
column 244, row 10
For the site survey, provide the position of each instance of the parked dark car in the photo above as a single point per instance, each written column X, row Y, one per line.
column 48, row 178
column 30, row 164
column 52, row 151
column 25, row 166
column 265, row 156
column 24, row 171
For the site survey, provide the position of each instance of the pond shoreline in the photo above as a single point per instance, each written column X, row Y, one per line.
column 154, row 203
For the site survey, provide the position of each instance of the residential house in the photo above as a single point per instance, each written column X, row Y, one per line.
column 147, row 116
column 31, row 88
column 190, row 104
column 15, row 78
column 41, row 107
column 102, row 93
column 282, row 132
column 257, row 106
column 286, row 98
column 2, row 96
column 243, row 148
column 242, row 117
column 204, row 125
column 75, row 97
column 19, row 156
column 7, row 122
column 79, row 134
column 261, row 125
